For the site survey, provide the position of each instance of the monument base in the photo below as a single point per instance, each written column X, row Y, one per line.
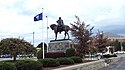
column 59, row 45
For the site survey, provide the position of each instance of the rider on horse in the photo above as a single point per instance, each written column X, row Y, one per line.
column 60, row 24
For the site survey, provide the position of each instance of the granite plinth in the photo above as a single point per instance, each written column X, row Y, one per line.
column 59, row 45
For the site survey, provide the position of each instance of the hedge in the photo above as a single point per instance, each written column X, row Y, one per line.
column 77, row 59
column 51, row 55
column 65, row 61
column 109, row 56
column 7, row 66
column 49, row 62
column 70, row 52
column 28, row 65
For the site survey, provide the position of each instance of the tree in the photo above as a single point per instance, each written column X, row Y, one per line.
column 16, row 46
column 101, row 42
column 117, row 44
column 41, row 46
column 40, row 50
column 82, row 35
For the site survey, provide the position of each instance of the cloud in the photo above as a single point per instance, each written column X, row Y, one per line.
column 117, row 29
column 16, row 16
column 111, row 25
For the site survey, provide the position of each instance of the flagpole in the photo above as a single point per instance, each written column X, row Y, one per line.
column 47, row 32
column 42, row 34
column 33, row 39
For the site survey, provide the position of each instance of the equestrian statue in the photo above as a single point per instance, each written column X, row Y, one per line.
column 59, row 28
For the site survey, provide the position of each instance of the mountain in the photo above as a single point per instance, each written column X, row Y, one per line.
column 108, row 34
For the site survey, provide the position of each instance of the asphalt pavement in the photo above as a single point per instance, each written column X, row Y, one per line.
column 119, row 65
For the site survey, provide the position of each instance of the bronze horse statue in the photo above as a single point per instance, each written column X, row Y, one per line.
column 56, row 29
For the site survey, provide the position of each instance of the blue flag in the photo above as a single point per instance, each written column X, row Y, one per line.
column 38, row 17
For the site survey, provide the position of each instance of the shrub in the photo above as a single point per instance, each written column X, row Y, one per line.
column 70, row 52
column 50, row 55
column 114, row 55
column 39, row 54
column 65, row 61
column 55, row 54
column 76, row 59
column 7, row 66
column 106, row 56
column 49, row 62
column 109, row 56
column 28, row 65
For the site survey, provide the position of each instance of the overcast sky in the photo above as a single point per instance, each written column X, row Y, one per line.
column 17, row 16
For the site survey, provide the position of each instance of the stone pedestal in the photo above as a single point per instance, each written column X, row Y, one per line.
column 59, row 46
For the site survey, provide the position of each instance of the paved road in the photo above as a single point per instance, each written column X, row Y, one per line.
column 120, row 65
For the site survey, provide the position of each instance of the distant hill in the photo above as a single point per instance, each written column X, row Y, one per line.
column 108, row 34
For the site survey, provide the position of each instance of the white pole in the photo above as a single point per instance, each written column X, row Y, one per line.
column 42, row 33
column 121, row 46
column 33, row 39
column 47, row 32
